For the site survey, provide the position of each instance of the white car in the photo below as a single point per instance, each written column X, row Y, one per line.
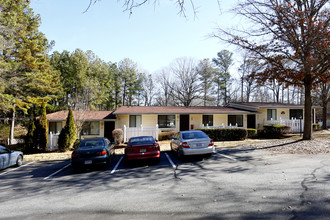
column 10, row 158
column 192, row 143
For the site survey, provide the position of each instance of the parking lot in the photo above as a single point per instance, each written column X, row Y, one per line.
column 232, row 183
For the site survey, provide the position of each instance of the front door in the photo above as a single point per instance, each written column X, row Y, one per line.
column 184, row 122
column 251, row 121
column 109, row 126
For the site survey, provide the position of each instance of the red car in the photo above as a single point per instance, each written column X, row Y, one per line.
column 142, row 147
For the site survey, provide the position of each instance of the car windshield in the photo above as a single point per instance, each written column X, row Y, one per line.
column 91, row 143
column 194, row 135
column 142, row 140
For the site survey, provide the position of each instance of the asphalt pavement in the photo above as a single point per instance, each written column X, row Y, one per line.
column 231, row 184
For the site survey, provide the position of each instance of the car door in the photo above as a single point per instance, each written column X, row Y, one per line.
column 4, row 158
column 175, row 141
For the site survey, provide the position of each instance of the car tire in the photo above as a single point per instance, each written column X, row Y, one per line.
column 19, row 160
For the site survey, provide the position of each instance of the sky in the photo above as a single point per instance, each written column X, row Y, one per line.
column 152, row 36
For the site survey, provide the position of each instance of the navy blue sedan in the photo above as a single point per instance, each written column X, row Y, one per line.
column 90, row 152
column 10, row 158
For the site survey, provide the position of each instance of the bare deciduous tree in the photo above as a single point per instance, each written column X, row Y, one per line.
column 287, row 30
column 185, row 87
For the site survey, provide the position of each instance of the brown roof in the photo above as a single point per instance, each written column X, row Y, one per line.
column 265, row 104
column 83, row 115
column 177, row 110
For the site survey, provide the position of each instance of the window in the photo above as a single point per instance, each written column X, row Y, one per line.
column 166, row 121
column 296, row 113
column 271, row 114
column 91, row 128
column 208, row 120
column 235, row 119
column 134, row 121
column 55, row 127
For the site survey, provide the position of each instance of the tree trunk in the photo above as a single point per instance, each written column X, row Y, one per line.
column 308, row 111
column 11, row 138
column 324, row 115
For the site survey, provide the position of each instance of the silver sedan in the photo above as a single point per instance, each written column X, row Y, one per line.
column 192, row 143
column 10, row 158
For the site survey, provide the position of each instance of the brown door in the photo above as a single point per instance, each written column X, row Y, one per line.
column 184, row 122
column 251, row 121
column 109, row 126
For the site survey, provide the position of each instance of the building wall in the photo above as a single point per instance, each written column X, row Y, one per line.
column 149, row 120
column 121, row 121
column 220, row 119
column 196, row 120
column 281, row 113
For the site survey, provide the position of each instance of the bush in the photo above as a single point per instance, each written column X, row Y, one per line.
column 226, row 134
column 316, row 126
column 118, row 136
column 252, row 133
column 275, row 131
column 166, row 135
column 68, row 134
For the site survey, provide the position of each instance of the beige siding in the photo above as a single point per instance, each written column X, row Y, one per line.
column 196, row 120
column 281, row 113
column 122, row 120
column 149, row 120
column 220, row 119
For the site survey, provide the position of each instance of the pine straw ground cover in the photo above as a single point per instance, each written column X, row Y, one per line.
column 290, row 145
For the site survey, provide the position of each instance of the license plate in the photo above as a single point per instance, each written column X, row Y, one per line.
column 143, row 150
column 88, row 162
column 199, row 145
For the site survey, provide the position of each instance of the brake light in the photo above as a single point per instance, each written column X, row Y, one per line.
column 156, row 146
column 75, row 155
column 211, row 143
column 185, row 145
column 101, row 153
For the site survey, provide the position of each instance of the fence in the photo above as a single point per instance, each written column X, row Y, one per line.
column 296, row 125
column 140, row 131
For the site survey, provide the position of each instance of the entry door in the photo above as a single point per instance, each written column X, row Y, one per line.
column 109, row 126
column 184, row 122
column 251, row 121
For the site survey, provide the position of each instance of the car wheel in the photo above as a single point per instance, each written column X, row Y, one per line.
column 19, row 160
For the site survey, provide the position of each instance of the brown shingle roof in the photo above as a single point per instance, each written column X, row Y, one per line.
column 177, row 110
column 266, row 104
column 83, row 115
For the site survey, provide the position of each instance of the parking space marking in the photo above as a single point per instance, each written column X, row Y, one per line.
column 115, row 168
column 228, row 157
column 170, row 160
column 53, row 174
column 16, row 168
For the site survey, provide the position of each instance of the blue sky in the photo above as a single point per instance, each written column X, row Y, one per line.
column 153, row 36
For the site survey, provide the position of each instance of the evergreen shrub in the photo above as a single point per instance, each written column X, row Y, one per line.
column 225, row 134
column 252, row 133
column 166, row 135
column 275, row 131
column 68, row 134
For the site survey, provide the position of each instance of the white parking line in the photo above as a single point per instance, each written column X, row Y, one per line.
column 53, row 174
column 16, row 168
column 231, row 158
column 170, row 160
column 114, row 169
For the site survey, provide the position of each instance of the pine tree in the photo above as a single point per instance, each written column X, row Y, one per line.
column 68, row 134
column 26, row 76
column 43, row 138
column 29, row 139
